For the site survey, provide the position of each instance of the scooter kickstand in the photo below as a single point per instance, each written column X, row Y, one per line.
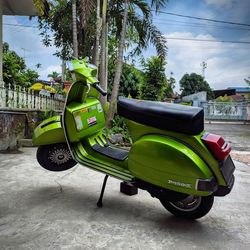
column 99, row 203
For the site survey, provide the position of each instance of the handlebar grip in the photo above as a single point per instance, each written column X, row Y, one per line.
column 99, row 89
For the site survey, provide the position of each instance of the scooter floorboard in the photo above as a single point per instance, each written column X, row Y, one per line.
column 110, row 170
column 114, row 153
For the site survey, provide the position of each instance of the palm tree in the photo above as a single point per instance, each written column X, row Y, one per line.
column 54, row 75
column 97, row 43
column 119, row 62
column 38, row 65
column 103, row 60
column 146, row 31
column 74, row 24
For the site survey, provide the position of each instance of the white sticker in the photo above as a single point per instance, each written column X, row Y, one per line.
column 91, row 121
column 79, row 124
column 99, row 108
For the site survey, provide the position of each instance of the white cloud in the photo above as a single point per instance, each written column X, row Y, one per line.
column 227, row 64
column 236, row 11
column 220, row 3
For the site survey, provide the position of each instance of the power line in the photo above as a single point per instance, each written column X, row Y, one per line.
column 170, row 38
column 202, row 18
column 19, row 25
column 206, row 40
column 200, row 25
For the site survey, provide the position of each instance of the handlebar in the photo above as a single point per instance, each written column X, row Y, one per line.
column 99, row 89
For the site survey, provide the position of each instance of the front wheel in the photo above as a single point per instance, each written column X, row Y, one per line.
column 55, row 157
column 192, row 207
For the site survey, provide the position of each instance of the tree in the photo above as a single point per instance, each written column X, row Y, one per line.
column 170, row 86
column 15, row 71
column 131, row 79
column 247, row 80
column 118, row 70
column 38, row 65
column 57, row 29
column 193, row 83
column 54, row 75
column 97, row 42
column 155, row 80
column 103, row 59
column 146, row 31
column 74, row 28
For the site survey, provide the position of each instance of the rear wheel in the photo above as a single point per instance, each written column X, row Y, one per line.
column 55, row 157
column 192, row 207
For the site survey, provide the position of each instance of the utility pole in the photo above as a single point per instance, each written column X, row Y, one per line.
column 203, row 66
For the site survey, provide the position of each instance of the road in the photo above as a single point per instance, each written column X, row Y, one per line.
column 46, row 210
column 237, row 134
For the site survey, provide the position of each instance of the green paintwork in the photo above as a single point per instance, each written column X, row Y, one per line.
column 167, row 159
column 138, row 130
column 84, row 71
column 49, row 132
column 164, row 161
column 149, row 155
column 87, row 157
column 79, row 115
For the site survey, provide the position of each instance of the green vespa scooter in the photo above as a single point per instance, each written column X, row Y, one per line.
column 171, row 157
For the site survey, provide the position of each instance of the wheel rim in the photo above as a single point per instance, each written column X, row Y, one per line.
column 188, row 204
column 59, row 156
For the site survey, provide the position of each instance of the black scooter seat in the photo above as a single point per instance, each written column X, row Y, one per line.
column 166, row 116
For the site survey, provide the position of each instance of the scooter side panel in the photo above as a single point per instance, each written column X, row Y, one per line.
column 138, row 130
column 168, row 163
column 48, row 132
column 84, row 119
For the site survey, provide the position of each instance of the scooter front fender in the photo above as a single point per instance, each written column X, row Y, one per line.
column 49, row 131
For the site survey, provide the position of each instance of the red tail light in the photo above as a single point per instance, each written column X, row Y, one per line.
column 216, row 144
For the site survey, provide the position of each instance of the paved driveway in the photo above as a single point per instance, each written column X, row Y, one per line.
column 237, row 134
column 45, row 210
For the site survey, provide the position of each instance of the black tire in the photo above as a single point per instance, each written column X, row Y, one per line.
column 55, row 157
column 192, row 207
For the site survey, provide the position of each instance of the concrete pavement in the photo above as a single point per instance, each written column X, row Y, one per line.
column 46, row 210
column 237, row 134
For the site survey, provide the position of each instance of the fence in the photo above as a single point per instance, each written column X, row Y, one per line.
column 19, row 97
column 226, row 111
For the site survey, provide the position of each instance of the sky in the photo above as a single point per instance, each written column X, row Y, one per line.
column 227, row 63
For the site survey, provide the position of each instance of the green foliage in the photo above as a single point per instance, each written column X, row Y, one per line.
column 119, row 127
column 55, row 75
column 56, row 29
column 131, row 78
column 170, row 87
column 186, row 103
column 45, row 115
column 155, row 81
column 193, row 83
column 224, row 98
column 15, row 71
column 140, row 29
column 247, row 80
column 59, row 89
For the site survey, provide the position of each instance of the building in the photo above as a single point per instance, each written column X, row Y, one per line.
column 19, row 8
column 237, row 93
column 242, row 91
